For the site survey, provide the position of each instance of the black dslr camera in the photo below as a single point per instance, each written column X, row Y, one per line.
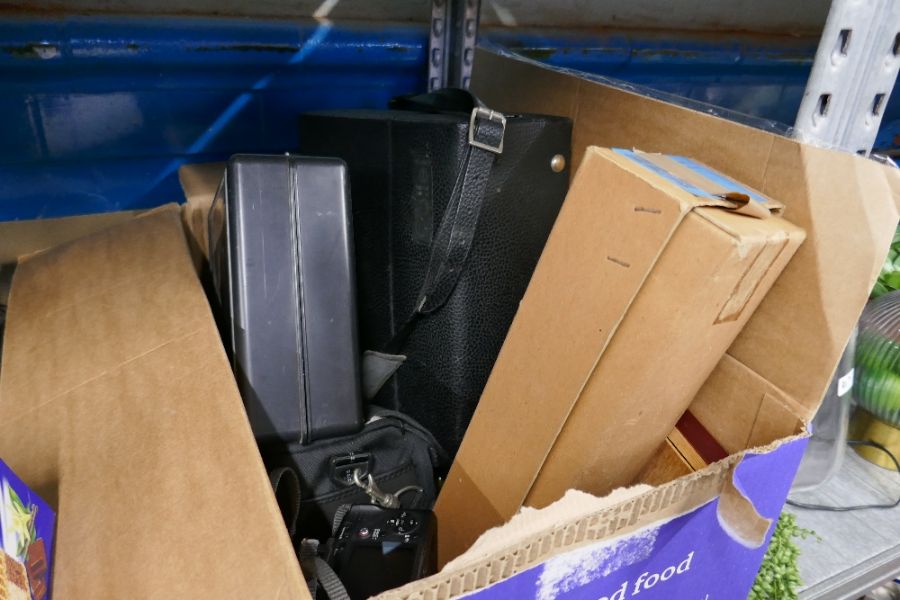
column 377, row 549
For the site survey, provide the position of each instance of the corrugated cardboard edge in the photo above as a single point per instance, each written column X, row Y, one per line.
column 663, row 503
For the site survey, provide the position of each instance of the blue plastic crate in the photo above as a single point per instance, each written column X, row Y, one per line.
column 97, row 113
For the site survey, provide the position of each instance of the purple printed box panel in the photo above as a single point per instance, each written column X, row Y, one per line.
column 26, row 540
column 689, row 558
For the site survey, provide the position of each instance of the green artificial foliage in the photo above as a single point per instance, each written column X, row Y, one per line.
column 779, row 577
column 889, row 278
column 877, row 361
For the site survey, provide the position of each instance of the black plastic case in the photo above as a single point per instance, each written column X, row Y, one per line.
column 281, row 256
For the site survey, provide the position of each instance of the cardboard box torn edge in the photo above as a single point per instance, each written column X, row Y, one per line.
column 647, row 507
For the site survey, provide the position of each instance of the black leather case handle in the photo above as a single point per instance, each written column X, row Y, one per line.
column 453, row 240
column 447, row 100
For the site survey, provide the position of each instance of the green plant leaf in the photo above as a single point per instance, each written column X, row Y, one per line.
column 891, row 280
column 14, row 498
column 879, row 289
column 779, row 576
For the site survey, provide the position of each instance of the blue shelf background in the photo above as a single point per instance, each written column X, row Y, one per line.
column 97, row 113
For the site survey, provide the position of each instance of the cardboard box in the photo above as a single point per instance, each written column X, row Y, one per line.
column 761, row 393
column 645, row 281
column 26, row 540
column 117, row 404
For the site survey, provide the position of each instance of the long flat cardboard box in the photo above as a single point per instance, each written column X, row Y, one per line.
column 644, row 283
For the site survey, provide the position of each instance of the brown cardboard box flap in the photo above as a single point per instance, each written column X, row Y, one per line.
column 117, row 404
column 199, row 183
column 847, row 204
column 739, row 408
column 18, row 238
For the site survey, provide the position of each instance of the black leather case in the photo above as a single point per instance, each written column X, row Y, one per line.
column 281, row 256
column 403, row 166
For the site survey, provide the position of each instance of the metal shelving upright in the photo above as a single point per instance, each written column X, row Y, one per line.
column 849, row 86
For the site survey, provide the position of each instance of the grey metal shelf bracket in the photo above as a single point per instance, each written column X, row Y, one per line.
column 451, row 47
column 852, row 76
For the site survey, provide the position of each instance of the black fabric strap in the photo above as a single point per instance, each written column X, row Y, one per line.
column 319, row 574
column 339, row 515
column 330, row 582
column 316, row 571
column 286, row 486
column 453, row 240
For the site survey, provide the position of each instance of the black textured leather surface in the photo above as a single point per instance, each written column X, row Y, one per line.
column 403, row 166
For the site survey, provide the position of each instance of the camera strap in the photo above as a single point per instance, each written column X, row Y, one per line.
column 318, row 572
column 329, row 581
